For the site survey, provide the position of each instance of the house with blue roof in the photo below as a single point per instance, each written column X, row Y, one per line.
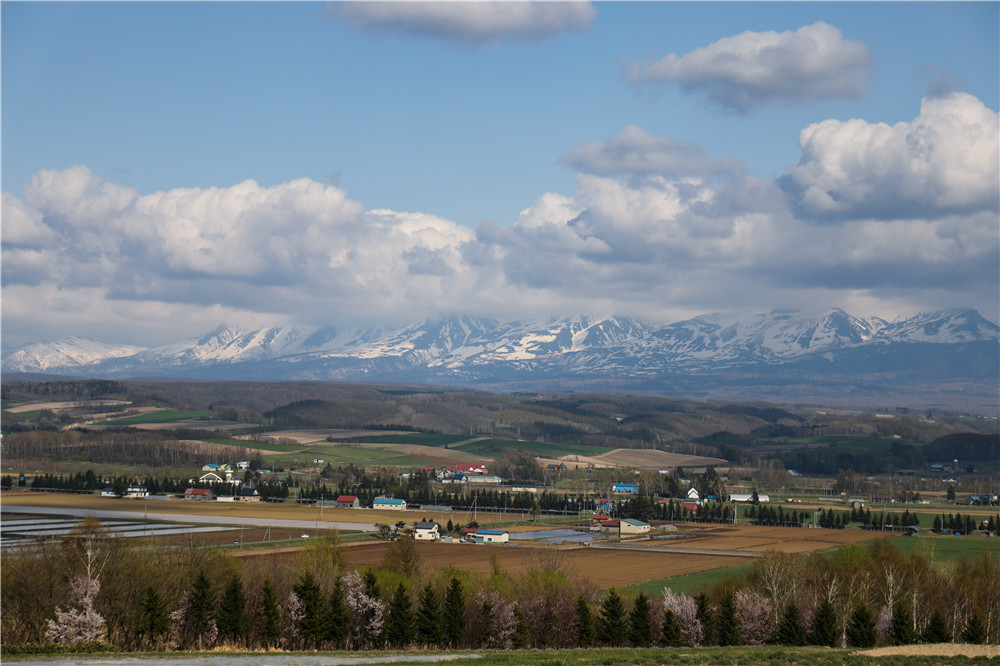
column 492, row 536
column 389, row 503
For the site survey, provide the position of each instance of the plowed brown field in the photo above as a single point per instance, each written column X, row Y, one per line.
column 784, row 539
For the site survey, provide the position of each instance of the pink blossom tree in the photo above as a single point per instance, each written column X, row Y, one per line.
column 79, row 622
column 685, row 609
column 367, row 612
column 756, row 615
column 495, row 621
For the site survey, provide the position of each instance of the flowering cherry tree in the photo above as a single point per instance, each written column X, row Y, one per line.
column 78, row 623
column 756, row 615
column 367, row 612
column 685, row 610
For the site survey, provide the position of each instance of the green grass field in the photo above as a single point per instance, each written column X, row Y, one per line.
column 947, row 548
column 689, row 583
column 536, row 448
column 421, row 439
column 160, row 416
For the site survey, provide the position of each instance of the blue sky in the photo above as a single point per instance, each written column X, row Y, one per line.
column 513, row 160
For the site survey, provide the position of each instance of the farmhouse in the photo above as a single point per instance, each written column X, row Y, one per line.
column 388, row 503
column 690, row 506
column 624, row 488
column 202, row 494
column 426, row 530
column 692, row 495
column 137, row 491
column 249, row 495
column 348, row 501
column 632, row 527
column 211, row 477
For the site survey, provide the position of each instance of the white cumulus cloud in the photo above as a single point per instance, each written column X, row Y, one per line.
column 472, row 22
column 755, row 69
column 946, row 159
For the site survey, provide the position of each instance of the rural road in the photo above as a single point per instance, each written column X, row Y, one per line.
column 234, row 521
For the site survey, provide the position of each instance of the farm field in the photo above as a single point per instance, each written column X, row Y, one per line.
column 159, row 416
column 761, row 538
column 603, row 568
column 643, row 459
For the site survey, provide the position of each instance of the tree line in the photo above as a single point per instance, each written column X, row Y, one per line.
column 95, row 587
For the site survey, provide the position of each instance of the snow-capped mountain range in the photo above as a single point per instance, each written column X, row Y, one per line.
column 470, row 350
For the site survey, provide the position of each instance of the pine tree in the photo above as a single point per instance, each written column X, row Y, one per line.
column 429, row 629
column 154, row 620
column 199, row 616
column 400, row 625
column 974, row 632
column 936, row 630
column 790, row 629
column 232, row 618
column 901, row 630
column 705, row 615
column 640, row 626
column 611, row 621
column 825, row 628
column 861, row 630
column 522, row 636
column 584, row 623
column 454, row 614
column 272, row 615
column 672, row 636
column 312, row 627
column 728, row 625
column 338, row 617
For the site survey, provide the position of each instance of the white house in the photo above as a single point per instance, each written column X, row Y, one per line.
column 692, row 494
column 211, row 477
column 426, row 530
column 137, row 491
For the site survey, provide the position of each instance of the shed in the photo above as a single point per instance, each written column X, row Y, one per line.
column 349, row 501
column 631, row 526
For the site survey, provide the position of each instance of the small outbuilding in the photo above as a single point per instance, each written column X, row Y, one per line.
column 632, row 527
column 492, row 536
column 347, row 501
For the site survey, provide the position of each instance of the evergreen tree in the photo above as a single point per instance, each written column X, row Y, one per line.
column 271, row 631
column 672, row 636
column 522, row 637
column 154, row 620
column 707, row 619
column 861, row 630
column 338, row 619
column 790, row 629
column 825, row 629
column 611, row 621
column 400, row 625
column 640, row 626
column 901, row 630
column 429, row 629
column 199, row 615
column 454, row 614
column 232, row 619
column 974, row 632
column 312, row 627
column 584, row 623
column 727, row 624
column 936, row 630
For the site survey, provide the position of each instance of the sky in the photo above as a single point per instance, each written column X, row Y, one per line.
column 170, row 167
